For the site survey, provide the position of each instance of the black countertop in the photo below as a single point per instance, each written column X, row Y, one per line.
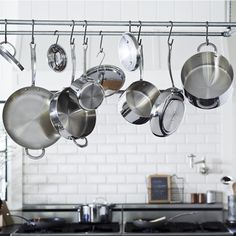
column 7, row 230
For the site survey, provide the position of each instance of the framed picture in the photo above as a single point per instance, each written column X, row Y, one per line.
column 159, row 188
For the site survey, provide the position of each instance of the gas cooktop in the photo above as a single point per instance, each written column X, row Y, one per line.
column 180, row 228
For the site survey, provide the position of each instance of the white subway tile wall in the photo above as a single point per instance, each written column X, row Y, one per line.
column 120, row 156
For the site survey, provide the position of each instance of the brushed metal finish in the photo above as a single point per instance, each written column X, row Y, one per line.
column 129, row 54
column 111, row 78
column 69, row 118
column 167, row 112
column 207, row 79
column 135, row 104
column 26, row 118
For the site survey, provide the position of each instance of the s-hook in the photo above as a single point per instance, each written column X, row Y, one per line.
column 72, row 40
column 130, row 26
column 5, row 31
column 55, row 32
column 170, row 42
column 85, row 42
column 139, row 32
column 32, row 34
column 101, row 48
column 207, row 40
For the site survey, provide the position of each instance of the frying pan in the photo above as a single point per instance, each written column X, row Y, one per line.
column 68, row 118
column 168, row 110
column 26, row 115
column 129, row 53
column 136, row 102
column 41, row 222
column 143, row 224
column 207, row 78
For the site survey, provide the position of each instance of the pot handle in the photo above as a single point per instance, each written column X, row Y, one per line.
column 34, row 157
column 205, row 44
column 81, row 145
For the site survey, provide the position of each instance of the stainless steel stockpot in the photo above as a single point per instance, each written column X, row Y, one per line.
column 207, row 78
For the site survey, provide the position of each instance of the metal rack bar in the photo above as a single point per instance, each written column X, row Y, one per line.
column 115, row 33
column 220, row 28
column 119, row 23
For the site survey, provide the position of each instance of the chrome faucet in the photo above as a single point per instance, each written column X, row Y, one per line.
column 203, row 169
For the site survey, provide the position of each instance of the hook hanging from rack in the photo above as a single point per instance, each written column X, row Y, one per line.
column 72, row 40
column 85, row 32
column 170, row 42
column 32, row 35
column 5, row 30
column 207, row 39
column 139, row 32
column 101, row 48
column 55, row 32
column 130, row 26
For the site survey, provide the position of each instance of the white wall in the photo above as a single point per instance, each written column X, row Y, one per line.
column 120, row 155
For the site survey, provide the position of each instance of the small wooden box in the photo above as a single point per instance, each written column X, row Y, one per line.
column 159, row 188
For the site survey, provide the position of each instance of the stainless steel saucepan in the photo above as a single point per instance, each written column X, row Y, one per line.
column 89, row 93
column 70, row 120
column 207, row 78
column 136, row 102
column 168, row 110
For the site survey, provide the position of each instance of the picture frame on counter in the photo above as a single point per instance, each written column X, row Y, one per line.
column 159, row 188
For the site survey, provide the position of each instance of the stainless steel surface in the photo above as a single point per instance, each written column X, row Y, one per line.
column 57, row 59
column 221, row 32
column 168, row 109
column 26, row 115
column 136, row 102
column 207, row 79
column 110, row 77
column 89, row 93
column 9, row 57
column 234, row 188
column 128, row 50
column 211, row 197
column 232, row 208
column 71, row 121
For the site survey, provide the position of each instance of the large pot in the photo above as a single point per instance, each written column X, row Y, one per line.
column 207, row 78
column 96, row 212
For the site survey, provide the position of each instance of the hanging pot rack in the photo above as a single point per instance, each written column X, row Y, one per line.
column 220, row 28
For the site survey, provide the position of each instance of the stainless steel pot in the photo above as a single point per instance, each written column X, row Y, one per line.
column 100, row 212
column 69, row 119
column 207, row 78
column 136, row 102
column 26, row 115
column 88, row 92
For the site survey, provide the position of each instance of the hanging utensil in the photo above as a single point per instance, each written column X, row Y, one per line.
column 10, row 57
column 136, row 102
column 70, row 120
column 207, row 77
column 89, row 93
column 57, row 59
column 26, row 114
column 111, row 78
column 128, row 49
column 168, row 109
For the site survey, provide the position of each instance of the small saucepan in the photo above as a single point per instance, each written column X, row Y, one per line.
column 207, row 78
column 136, row 102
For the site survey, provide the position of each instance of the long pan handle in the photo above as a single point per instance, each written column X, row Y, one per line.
column 73, row 59
column 33, row 62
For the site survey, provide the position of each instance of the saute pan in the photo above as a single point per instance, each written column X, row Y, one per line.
column 26, row 115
